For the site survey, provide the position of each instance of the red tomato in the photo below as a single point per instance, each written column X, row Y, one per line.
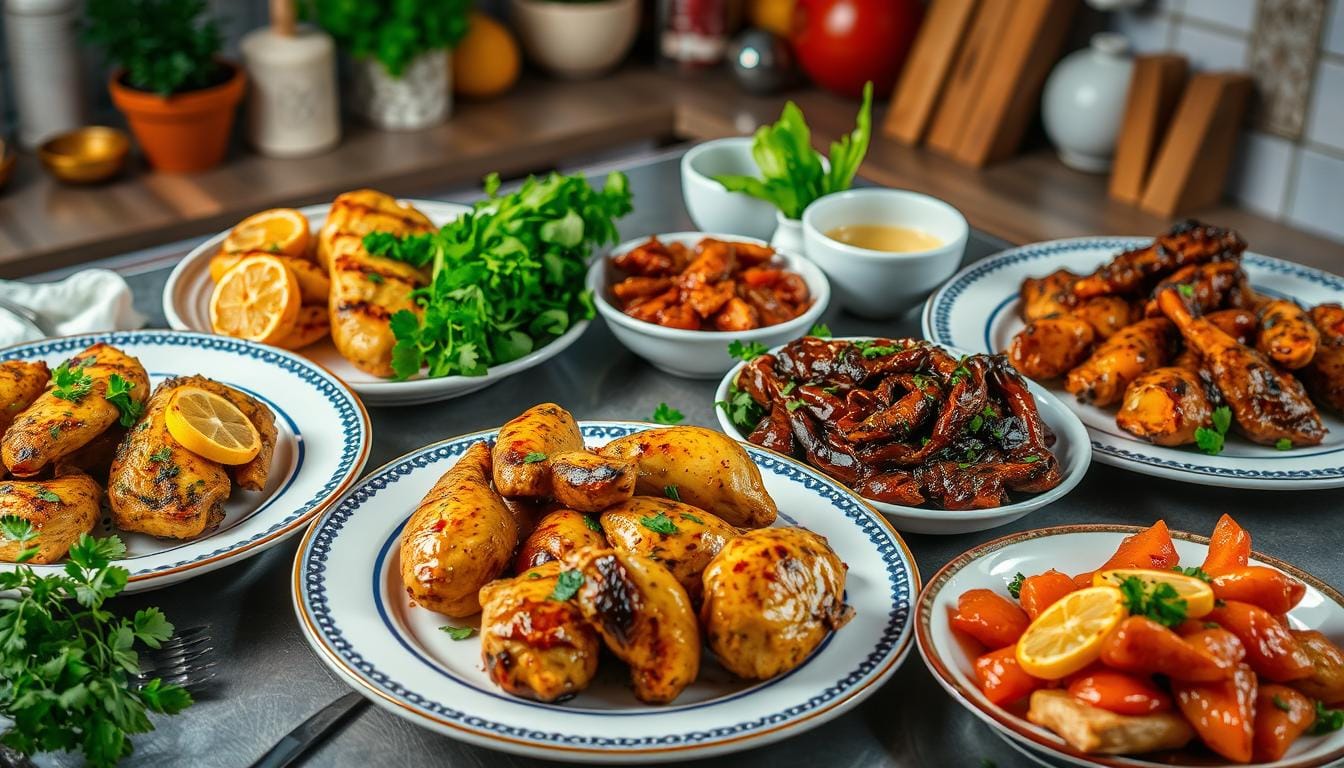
column 842, row 44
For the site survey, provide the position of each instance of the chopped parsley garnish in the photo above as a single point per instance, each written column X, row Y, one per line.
column 787, row 388
column 1015, row 586
column 20, row 531
column 533, row 575
column 820, row 330
column 878, row 350
column 976, row 423
column 1280, row 704
column 71, row 383
column 959, row 373
column 1159, row 602
column 457, row 633
column 659, row 523
column 534, row 457
column 592, row 524
column 1327, row 720
column 666, row 414
column 55, row 431
column 793, row 405
column 1192, row 570
column 1187, row 290
column 163, row 454
column 746, row 352
column 566, row 585
column 1283, row 444
column 119, row 394
column 743, row 412
column 373, row 277
column 1031, row 459
column 692, row 518
column 1210, row 440
column 671, row 492
column 46, row 494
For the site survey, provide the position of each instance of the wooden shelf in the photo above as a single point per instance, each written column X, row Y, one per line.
column 44, row 225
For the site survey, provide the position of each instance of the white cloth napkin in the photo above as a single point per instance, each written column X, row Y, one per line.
column 85, row 302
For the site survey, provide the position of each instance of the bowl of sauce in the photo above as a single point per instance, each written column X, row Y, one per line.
column 884, row 250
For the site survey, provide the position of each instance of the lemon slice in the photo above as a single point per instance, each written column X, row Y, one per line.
column 210, row 426
column 1068, row 636
column 258, row 299
column 281, row 231
column 1197, row 594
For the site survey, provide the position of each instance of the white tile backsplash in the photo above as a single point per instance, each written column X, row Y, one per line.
column 1332, row 39
column 1147, row 32
column 1209, row 50
column 1236, row 14
column 1259, row 176
column 1316, row 194
column 1325, row 118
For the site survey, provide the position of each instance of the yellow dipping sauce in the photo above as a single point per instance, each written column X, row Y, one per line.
column 881, row 237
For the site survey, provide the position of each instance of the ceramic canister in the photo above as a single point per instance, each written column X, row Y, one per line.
column 292, row 109
column 42, row 41
column 1084, row 102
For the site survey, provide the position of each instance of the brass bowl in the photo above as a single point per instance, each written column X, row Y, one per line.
column 85, row 155
column 7, row 158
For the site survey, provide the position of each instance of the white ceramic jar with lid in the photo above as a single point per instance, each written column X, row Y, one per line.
column 1084, row 102
column 42, row 40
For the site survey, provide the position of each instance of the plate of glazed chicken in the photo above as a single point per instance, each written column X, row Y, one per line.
column 195, row 450
column 1186, row 355
column 606, row 592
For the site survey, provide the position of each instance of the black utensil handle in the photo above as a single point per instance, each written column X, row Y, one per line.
column 311, row 731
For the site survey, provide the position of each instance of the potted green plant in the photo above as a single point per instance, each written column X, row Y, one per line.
column 576, row 38
column 177, row 94
column 399, row 49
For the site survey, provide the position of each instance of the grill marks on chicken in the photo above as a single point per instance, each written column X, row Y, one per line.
column 1324, row 377
column 1187, row 243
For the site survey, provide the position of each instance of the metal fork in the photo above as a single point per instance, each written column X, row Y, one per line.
column 186, row 659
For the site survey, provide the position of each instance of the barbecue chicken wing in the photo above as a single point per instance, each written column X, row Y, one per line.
column 1134, row 350
column 1051, row 347
column 60, row 510
column 527, row 444
column 1207, row 286
column 644, row 616
column 1287, row 335
column 1165, row 406
column 361, row 307
column 1049, row 296
column 684, row 539
column 1106, row 314
column 1325, row 376
column 1267, row 405
column 53, row 427
column 771, row 597
column 590, row 483
column 1187, row 243
column 560, row 532
column 362, row 211
column 459, row 539
column 532, row 645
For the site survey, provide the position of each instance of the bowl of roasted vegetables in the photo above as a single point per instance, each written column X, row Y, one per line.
column 938, row 441
column 1125, row 646
column 678, row 299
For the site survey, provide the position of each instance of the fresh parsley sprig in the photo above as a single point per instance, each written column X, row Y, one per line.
column 1159, row 602
column 666, row 414
column 1210, row 440
column 746, row 352
column 659, row 523
column 71, row 382
column 743, row 412
column 119, row 394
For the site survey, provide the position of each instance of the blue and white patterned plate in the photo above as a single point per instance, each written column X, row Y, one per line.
column 355, row 613
column 977, row 310
column 321, row 446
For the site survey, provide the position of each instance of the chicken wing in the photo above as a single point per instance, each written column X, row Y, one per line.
column 526, row 445
column 1207, row 286
column 63, row 419
column 1106, row 314
column 1137, row 348
column 771, row 597
column 158, row 487
column 1165, row 406
column 533, row 645
column 21, row 383
column 560, row 532
column 681, row 537
column 644, row 616
column 1049, row 296
column 1325, row 376
column 1189, row 242
column 363, row 211
column 1268, row 406
column 1051, row 347
column 60, row 510
column 1287, row 335
column 587, row 482
column 362, row 306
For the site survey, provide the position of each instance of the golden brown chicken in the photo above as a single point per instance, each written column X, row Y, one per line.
column 362, row 211
column 532, row 644
column 459, row 539
column 1134, row 350
column 1189, row 242
column 1165, row 406
column 1326, row 681
column 361, row 306
column 1049, row 296
column 21, row 382
column 158, row 487
column 60, row 511
column 523, row 450
column 252, row 475
column 73, row 411
column 708, row 470
column 1051, row 347
column 1325, row 376
column 1268, row 406
column 1106, row 314
column 560, row 532
column 590, row 483
column 681, row 537
column 1206, row 286
column 771, row 596
column 644, row 616
column 1101, row 732
column 1287, row 335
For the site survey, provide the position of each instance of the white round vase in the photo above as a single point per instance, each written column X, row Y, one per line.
column 1084, row 102
column 420, row 98
column 788, row 237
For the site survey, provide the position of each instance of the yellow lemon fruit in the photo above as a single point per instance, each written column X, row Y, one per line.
column 1068, row 636
column 1196, row 593
column 258, row 299
column 210, row 426
column 280, row 231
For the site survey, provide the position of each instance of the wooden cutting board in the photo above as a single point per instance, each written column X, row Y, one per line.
column 1154, row 90
column 1192, row 163
column 969, row 70
column 926, row 71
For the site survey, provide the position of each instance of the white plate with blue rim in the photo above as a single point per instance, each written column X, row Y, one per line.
column 977, row 310
column 186, row 305
column 356, row 615
column 322, row 443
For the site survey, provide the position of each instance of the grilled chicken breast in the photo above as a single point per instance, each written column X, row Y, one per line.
column 362, row 211
column 366, row 291
column 54, row 426
column 60, row 510
column 21, row 383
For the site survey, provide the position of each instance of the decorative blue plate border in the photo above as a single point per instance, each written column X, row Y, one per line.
column 354, row 423
column 937, row 326
column 313, row 602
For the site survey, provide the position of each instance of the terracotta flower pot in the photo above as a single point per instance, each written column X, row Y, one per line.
column 185, row 132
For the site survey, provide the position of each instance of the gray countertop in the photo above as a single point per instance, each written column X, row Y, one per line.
column 271, row 681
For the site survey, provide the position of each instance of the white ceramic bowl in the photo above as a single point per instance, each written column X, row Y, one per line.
column 699, row 354
column 1076, row 549
column 881, row 284
column 576, row 40
column 715, row 209
column 1071, row 447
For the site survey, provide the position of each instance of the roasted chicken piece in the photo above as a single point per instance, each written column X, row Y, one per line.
column 1268, row 406
column 1326, row 682
column 1106, row 314
column 1101, row 732
column 558, row 533
column 251, row 476
column 1046, row 297
column 533, row 645
column 1205, row 286
column 681, row 537
column 60, row 511
column 1325, row 376
column 361, row 307
column 771, row 596
column 644, row 616
column 1287, row 335
column 1186, row 243
column 359, row 212
column 21, row 382
column 1134, row 350
column 708, row 469
column 525, row 446
column 459, row 539
column 1051, row 347
column 65, row 418
column 590, row 483
column 1165, row 406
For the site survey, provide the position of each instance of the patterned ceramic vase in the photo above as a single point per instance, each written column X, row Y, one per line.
column 421, row 97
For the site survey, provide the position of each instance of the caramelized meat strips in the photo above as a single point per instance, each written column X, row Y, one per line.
column 1029, row 464
column 775, row 432
column 737, row 315
column 649, row 259
column 759, row 380
column 822, row 449
column 824, row 406
column 752, row 255
column 1325, row 376
column 633, row 291
column 953, row 486
column 900, row 419
column 715, row 260
column 814, row 359
column 1268, row 405
column 891, row 487
column 966, row 397
column 1189, row 242
column 707, row 299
